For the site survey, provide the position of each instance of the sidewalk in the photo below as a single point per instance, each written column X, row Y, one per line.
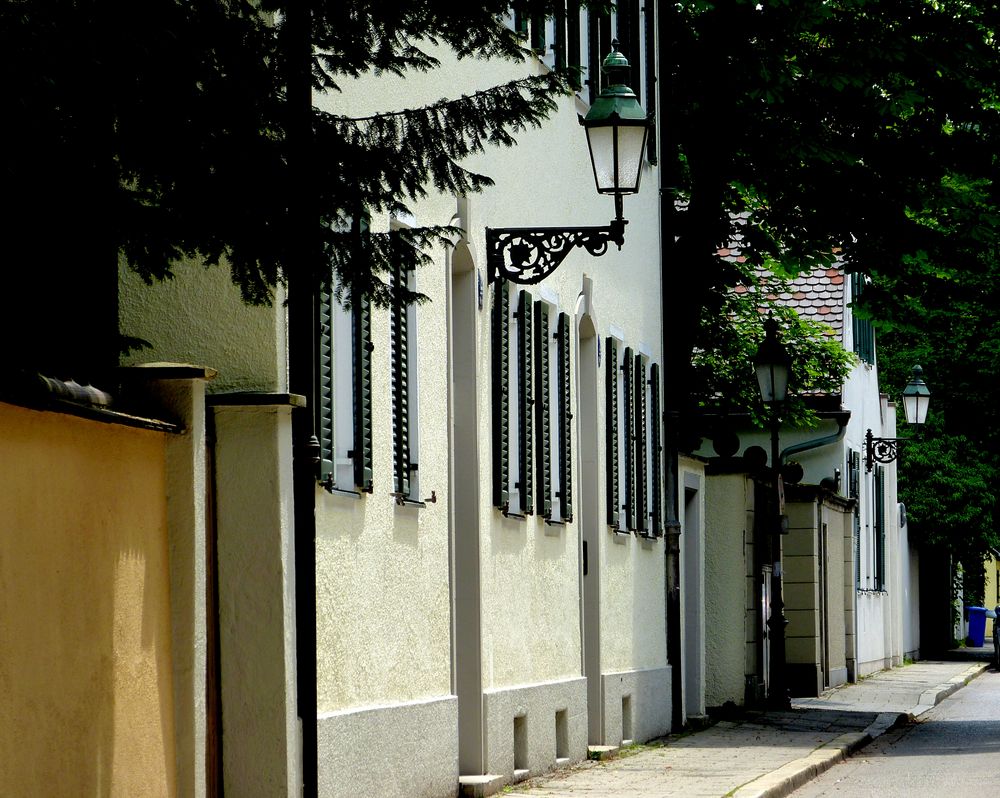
column 763, row 755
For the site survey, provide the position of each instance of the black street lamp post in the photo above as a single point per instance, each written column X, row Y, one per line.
column 616, row 128
column 772, row 366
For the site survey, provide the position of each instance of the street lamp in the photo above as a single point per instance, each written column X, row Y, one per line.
column 616, row 128
column 916, row 398
column 772, row 365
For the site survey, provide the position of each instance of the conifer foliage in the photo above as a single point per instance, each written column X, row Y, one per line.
column 168, row 129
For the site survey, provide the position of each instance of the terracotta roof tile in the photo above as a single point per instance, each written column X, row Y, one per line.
column 817, row 295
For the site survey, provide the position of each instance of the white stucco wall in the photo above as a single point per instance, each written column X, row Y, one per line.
column 726, row 529
column 382, row 593
column 198, row 317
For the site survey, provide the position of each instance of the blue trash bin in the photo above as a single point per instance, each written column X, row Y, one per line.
column 977, row 626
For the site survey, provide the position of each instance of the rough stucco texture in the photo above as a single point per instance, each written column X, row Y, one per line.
column 198, row 317
column 725, row 525
column 85, row 666
column 383, row 604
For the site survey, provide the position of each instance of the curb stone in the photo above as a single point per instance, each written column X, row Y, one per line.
column 793, row 775
column 931, row 698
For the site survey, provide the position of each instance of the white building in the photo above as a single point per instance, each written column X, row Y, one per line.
column 849, row 576
column 489, row 559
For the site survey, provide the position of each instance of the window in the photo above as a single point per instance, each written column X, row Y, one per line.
column 634, row 448
column 576, row 37
column 344, row 392
column 565, row 415
column 864, row 333
column 403, row 327
column 553, row 417
column 655, row 453
column 612, row 440
column 854, row 492
column 512, row 401
column 543, row 395
column 879, row 528
column 640, row 445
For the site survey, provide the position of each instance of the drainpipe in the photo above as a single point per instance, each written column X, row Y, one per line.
column 796, row 448
column 673, row 392
column 297, row 30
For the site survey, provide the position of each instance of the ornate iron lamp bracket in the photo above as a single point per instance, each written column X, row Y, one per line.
column 527, row 255
column 880, row 450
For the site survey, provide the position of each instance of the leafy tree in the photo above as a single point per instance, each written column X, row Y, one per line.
column 164, row 129
column 850, row 123
column 728, row 338
column 948, row 324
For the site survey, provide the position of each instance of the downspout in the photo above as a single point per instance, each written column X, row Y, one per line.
column 297, row 44
column 804, row 446
column 672, row 391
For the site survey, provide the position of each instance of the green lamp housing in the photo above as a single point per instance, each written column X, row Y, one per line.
column 616, row 128
column 916, row 398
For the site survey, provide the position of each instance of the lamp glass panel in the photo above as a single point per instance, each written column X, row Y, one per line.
column 773, row 382
column 915, row 406
column 602, row 153
column 631, row 146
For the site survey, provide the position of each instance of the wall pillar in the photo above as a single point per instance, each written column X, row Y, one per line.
column 176, row 391
column 261, row 737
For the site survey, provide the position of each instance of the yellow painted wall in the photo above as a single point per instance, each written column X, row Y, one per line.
column 991, row 589
column 85, row 661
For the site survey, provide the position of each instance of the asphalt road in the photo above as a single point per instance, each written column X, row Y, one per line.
column 953, row 751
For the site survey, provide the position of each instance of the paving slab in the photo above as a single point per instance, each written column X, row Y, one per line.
column 762, row 754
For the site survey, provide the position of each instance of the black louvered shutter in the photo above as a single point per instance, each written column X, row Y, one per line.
column 543, row 422
column 525, row 416
column 641, row 464
column 656, row 454
column 880, row 528
column 538, row 33
column 628, row 400
column 501, row 401
column 854, row 490
column 559, row 34
column 573, row 42
column 649, row 9
column 565, row 419
column 611, row 427
column 325, row 383
column 628, row 32
column 400, row 388
column 361, row 313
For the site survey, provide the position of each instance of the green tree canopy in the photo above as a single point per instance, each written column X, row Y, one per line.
column 843, row 124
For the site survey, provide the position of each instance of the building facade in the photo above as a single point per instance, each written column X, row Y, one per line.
column 490, row 594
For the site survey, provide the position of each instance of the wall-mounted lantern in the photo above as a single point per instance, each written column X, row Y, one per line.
column 616, row 128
